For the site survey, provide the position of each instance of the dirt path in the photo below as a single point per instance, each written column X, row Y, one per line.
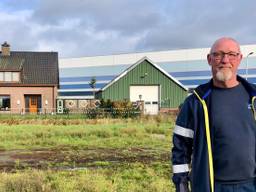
column 63, row 158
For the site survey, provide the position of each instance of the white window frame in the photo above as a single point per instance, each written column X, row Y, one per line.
column 1, row 76
column 9, row 76
column 16, row 76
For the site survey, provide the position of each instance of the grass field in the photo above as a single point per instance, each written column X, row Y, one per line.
column 70, row 153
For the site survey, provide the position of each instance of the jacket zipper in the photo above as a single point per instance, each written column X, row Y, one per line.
column 208, row 138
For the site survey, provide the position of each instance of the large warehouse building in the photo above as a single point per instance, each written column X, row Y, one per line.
column 187, row 68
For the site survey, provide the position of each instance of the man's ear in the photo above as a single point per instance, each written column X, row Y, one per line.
column 241, row 56
column 209, row 59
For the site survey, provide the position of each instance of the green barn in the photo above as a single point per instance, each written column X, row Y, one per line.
column 146, row 82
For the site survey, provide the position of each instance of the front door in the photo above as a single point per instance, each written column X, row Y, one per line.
column 33, row 104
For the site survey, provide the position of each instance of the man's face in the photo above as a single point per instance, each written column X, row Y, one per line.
column 224, row 59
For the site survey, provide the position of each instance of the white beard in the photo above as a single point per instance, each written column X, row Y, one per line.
column 224, row 75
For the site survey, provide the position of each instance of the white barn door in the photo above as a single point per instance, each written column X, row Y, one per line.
column 148, row 94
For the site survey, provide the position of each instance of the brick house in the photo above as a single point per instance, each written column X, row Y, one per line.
column 28, row 81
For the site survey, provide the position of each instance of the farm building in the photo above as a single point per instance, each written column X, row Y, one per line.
column 145, row 82
column 28, row 81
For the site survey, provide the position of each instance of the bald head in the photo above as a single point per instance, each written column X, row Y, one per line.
column 226, row 40
column 224, row 58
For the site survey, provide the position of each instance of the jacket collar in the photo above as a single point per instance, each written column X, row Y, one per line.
column 205, row 89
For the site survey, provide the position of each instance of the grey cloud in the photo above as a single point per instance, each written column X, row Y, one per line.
column 94, row 47
column 126, row 17
column 78, row 41
column 103, row 27
column 90, row 27
column 18, row 34
column 199, row 23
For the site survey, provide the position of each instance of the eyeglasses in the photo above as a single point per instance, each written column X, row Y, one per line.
column 220, row 55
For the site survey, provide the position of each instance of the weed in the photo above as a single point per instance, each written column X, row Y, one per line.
column 123, row 139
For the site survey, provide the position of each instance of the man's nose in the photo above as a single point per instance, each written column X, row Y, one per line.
column 225, row 58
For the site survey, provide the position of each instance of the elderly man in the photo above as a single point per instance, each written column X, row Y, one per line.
column 216, row 129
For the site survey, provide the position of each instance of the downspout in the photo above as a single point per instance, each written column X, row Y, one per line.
column 53, row 100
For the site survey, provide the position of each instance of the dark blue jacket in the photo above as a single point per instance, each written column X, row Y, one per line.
column 190, row 151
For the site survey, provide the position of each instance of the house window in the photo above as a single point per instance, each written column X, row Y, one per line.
column 5, row 103
column 1, row 76
column 9, row 76
column 15, row 76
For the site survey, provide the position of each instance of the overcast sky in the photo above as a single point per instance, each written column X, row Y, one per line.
column 77, row 28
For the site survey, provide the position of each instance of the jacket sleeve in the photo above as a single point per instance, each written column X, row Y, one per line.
column 183, row 134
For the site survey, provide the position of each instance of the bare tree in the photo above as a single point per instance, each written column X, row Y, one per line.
column 92, row 84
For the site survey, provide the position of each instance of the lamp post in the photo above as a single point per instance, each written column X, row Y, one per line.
column 246, row 69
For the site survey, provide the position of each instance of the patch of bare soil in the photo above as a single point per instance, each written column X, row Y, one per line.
column 63, row 158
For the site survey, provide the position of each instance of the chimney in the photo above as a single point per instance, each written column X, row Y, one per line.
column 5, row 49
